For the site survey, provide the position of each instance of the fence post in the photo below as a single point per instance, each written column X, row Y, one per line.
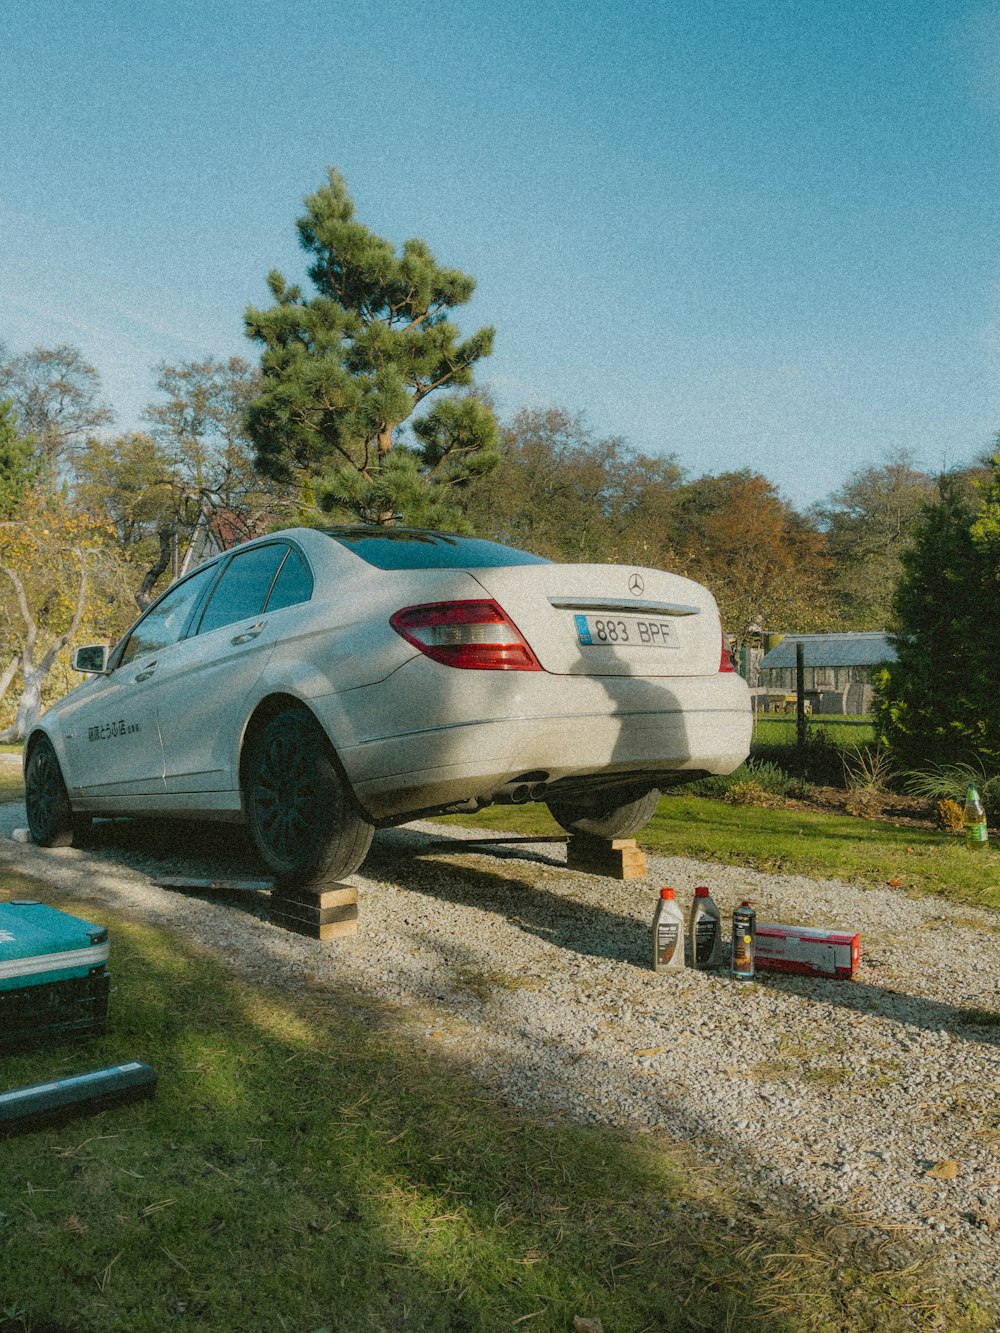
column 800, row 707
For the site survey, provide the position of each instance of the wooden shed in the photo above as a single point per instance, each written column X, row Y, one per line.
column 838, row 670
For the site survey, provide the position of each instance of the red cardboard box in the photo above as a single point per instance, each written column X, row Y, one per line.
column 808, row 949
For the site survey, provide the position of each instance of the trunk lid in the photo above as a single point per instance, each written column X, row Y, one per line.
column 609, row 620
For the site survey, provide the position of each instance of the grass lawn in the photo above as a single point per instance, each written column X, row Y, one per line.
column 11, row 789
column 306, row 1166
column 844, row 731
column 798, row 841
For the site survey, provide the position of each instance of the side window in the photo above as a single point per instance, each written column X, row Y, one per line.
column 163, row 624
column 294, row 583
column 243, row 588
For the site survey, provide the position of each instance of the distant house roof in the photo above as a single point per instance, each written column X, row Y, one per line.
column 217, row 531
column 831, row 650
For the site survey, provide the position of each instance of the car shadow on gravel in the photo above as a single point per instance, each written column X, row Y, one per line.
column 189, row 849
column 972, row 1024
column 414, row 861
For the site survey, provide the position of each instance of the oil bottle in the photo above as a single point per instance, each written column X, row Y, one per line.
column 744, row 933
column 668, row 933
column 705, row 930
column 976, row 835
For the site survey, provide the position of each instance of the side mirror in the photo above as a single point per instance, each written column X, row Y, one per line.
column 93, row 660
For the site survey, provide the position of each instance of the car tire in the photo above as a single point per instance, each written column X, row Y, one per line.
column 602, row 818
column 50, row 815
column 303, row 820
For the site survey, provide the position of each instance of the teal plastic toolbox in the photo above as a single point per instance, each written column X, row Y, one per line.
column 53, row 976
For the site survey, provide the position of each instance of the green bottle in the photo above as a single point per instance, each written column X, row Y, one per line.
column 976, row 836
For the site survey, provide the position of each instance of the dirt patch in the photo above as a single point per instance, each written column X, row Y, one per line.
column 892, row 808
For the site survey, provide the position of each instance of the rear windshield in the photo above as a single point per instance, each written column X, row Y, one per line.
column 403, row 548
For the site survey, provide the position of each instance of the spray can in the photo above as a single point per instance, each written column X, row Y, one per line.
column 668, row 933
column 705, row 930
column 744, row 931
column 976, row 836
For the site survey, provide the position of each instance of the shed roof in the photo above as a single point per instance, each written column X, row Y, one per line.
column 831, row 650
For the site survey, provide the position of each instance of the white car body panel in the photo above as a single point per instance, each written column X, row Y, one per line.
column 165, row 733
column 540, row 724
column 106, row 735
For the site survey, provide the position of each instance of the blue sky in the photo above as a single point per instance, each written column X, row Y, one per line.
column 752, row 234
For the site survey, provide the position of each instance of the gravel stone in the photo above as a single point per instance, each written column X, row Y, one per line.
column 838, row 1097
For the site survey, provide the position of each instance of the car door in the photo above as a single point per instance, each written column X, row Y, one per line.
column 203, row 689
column 110, row 730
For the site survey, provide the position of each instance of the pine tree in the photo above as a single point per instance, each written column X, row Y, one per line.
column 939, row 701
column 343, row 370
column 19, row 470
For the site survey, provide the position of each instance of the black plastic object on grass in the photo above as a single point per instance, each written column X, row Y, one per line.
column 42, row 1104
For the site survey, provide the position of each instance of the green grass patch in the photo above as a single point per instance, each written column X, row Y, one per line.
column 11, row 787
column 820, row 845
column 772, row 729
column 306, row 1166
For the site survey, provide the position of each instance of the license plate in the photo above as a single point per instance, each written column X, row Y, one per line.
column 625, row 631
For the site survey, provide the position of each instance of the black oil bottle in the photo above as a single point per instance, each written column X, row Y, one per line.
column 705, row 930
column 744, row 938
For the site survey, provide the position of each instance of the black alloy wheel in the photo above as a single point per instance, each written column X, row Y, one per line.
column 605, row 816
column 303, row 821
column 50, row 816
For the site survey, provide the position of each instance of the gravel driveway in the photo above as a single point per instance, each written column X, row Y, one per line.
column 874, row 1100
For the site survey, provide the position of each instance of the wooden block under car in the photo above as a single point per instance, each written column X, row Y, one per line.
column 53, row 976
column 322, row 914
column 617, row 858
column 315, row 930
column 314, row 916
column 342, row 895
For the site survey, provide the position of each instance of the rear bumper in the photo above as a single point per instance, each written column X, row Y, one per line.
column 549, row 728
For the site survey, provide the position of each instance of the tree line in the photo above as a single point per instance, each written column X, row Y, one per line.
column 361, row 405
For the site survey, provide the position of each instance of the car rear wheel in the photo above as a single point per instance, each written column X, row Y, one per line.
column 303, row 821
column 605, row 815
column 50, row 815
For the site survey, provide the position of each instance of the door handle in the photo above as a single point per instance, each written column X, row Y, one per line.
column 247, row 635
column 145, row 675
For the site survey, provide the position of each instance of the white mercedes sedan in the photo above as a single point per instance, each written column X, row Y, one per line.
column 318, row 684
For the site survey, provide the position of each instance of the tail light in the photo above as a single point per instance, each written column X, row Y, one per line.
column 478, row 636
column 726, row 663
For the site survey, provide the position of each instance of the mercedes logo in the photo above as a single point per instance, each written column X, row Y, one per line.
column 635, row 584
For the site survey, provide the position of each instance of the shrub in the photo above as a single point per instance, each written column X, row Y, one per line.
column 950, row 782
column 767, row 776
column 949, row 815
column 868, row 769
column 748, row 792
column 990, row 793
column 820, row 760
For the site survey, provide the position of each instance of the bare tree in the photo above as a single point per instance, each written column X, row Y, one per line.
column 56, row 394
